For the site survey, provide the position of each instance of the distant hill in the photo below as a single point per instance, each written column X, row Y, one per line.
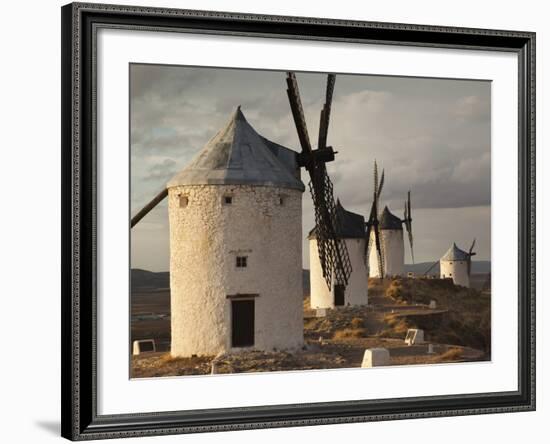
column 146, row 280
column 420, row 268
column 143, row 279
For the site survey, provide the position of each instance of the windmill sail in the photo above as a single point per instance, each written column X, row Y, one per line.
column 147, row 208
column 373, row 226
column 408, row 223
column 470, row 254
column 333, row 253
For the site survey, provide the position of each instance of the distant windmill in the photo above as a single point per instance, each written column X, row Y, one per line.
column 456, row 264
column 352, row 232
column 389, row 259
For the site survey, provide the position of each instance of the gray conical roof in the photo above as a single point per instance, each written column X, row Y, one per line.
column 350, row 225
column 455, row 254
column 389, row 221
column 238, row 155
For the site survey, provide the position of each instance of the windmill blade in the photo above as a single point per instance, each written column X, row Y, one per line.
column 408, row 223
column 411, row 244
column 472, row 247
column 325, row 112
column 333, row 253
column 431, row 267
column 375, row 181
column 143, row 212
column 372, row 227
column 380, row 185
column 298, row 111
column 470, row 254
column 368, row 241
column 381, row 267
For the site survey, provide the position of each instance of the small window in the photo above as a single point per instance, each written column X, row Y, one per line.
column 184, row 201
column 450, row 274
column 227, row 200
column 450, row 263
column 241, row 261
column 281, row 200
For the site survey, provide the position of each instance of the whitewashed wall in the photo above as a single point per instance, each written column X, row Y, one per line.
column 458, row 270
column 357, row 290
column 205, row 238
column 393, row 250
column 321, row 295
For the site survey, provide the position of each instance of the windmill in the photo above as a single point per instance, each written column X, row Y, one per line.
column 456, row 264
column 211, row 310
column 386, row 230
column 332, row 250
column 333, row 253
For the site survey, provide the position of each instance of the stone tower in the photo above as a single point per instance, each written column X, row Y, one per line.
column 235, row 218
column 454, row 265
column 392, row 246
column 352, row 231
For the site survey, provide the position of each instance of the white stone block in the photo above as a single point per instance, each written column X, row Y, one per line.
column 433, row 305
column 375, row 357
column 414, row 336
column 320, row 313
column 143, row 345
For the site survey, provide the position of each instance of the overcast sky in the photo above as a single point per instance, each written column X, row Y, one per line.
column 431, row 136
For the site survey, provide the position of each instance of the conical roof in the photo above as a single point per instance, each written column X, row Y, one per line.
column 238, row 155
column 455, row 254
column 389, row 221
column 352, row 225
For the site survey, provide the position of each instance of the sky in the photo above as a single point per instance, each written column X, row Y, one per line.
column 431, row 136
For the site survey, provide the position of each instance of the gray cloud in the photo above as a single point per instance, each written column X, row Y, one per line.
column 432, row 136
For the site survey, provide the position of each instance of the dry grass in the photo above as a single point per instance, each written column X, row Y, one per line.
column 453, row 354
column 467, row 322
column 349, row 333
column 397, row 326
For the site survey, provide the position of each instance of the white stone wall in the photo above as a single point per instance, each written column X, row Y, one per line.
column 458, row 270
column 320, row 294
column 393, row 250
column 205, row 238
column 357, row 289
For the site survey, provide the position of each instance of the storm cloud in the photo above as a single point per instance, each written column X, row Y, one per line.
column 432, row 136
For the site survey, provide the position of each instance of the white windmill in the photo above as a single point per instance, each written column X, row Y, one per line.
column 235, row 218
column 388, row 259
column 352, row 232
column 456, row 264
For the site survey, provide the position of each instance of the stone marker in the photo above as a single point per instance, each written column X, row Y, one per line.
column 431, row 349
column 143, row 345
column 320, row 312
column 414, row 336
column 375, row 357
column 433, row 305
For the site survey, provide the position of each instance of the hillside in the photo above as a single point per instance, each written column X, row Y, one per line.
column 421, row 267
column 459, row 329
column 143, row 280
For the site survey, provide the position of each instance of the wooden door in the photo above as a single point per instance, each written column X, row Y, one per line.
column 339, row 291
column 242, row 323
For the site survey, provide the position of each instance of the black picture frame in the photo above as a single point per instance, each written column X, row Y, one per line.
column 79, row 396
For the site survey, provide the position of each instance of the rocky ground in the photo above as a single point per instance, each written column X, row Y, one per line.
column 458, row 328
